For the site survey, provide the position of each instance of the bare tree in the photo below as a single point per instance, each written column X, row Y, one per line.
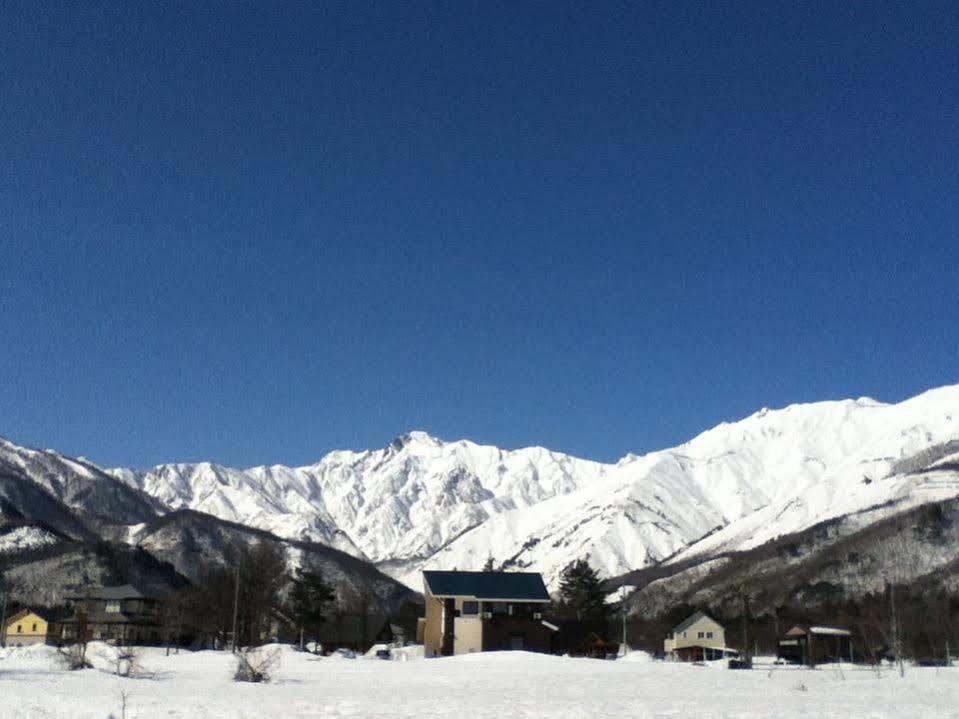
column 127, row 662
column 3, row 607
column 74, row 654
column 255, row 665
column 174, row 612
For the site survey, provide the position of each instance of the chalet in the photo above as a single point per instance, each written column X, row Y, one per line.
column 699, row 637
column 484, row 611
column 121, row 614
column 813, row 645
column 24, row 629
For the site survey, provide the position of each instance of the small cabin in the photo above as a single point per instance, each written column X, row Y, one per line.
column 812, row 645
column 24, row 629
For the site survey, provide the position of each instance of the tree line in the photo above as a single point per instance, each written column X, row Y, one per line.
column 250, row 600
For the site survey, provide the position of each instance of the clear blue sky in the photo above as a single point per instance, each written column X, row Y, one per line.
column 254, row 234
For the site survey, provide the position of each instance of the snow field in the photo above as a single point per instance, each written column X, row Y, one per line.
column 506, row 684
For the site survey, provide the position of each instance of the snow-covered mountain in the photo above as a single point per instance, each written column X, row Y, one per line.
column 424, row 503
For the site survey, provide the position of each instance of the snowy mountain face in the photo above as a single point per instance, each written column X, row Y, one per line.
column 424, row 503
column 38, row 479
column 396, row 507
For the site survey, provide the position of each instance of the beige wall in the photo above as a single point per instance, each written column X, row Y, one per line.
column 467, row 635
column 433, row 629
column 28, row 630
column 689, row 637
column 467, row 631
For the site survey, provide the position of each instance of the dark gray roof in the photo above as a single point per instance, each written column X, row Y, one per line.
column 527, row 586
column 124, row 591
column 692, row 619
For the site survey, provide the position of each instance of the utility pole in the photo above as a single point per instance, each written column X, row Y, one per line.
column 236, row 607
column 894, row 626
column 745, row 611
column 622, row 604
column 3, row 618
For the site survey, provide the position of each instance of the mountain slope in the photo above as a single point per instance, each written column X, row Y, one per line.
column 98, row 500
column 193, row 543
column 422, row 502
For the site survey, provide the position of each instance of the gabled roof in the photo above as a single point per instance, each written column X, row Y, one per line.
column 495, row 586
column 124, row 591
column 801, row 630
column 692, row 619
column 20, row 615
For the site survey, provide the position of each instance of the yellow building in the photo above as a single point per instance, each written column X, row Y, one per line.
column 25, row 628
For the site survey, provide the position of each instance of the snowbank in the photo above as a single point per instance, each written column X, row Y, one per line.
column 480, row 686
column 637, row 656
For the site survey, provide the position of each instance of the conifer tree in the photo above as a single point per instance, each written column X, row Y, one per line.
column 309, row 596
column 581, row 591
column 488, row 567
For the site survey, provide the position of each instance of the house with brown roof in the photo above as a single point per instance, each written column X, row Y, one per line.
column 699, row 637
column 484, row 611
column 813, row 645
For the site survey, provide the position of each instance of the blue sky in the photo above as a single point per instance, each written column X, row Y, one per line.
column 255, row 234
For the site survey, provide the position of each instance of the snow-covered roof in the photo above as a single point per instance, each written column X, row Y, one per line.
column 800, row 630
column 836, row 631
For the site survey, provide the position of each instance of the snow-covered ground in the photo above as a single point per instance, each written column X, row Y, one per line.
column 507, row 684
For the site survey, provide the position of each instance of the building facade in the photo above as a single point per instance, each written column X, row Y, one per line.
column 699, row 637
column 24, row 629
column 485, row 611
column 123, row 614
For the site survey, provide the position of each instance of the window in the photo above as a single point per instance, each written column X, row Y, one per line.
column 113, row 607
column 19, row 629
column 34, row 627
column 500, row 608
column 684, row 635
column 470, row 609
column 709, row 635
column 700, row 635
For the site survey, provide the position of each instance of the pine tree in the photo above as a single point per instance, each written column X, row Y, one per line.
column 581, row 590
column 488, row 567
column 309, row 596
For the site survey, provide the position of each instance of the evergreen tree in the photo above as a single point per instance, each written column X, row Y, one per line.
column 581, row 591
column 309, row 596
column 488, row 567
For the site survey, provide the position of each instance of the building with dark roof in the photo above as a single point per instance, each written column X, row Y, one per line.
column 122, row 614
column 484, row 611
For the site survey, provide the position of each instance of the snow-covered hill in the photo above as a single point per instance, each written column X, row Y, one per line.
column 424, row 503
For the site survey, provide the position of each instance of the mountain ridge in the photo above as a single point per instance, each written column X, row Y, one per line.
column 423, row 502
